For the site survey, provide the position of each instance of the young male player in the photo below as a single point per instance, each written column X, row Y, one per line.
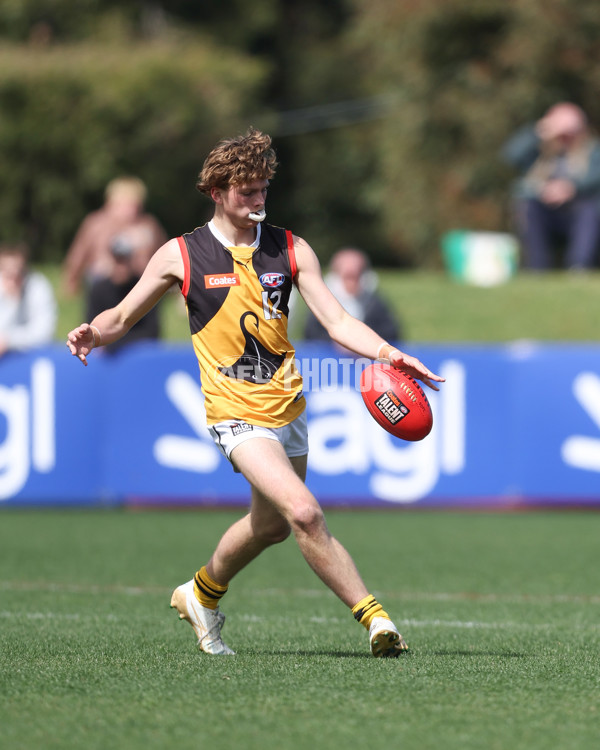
column 236, row 275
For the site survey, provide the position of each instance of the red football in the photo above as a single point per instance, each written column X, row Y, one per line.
column 396, row 401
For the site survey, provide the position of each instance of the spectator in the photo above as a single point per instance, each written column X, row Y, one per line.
column 557, row 198
column 354, row 283
column 108, row 292
column 27, row 303
column 90, row 256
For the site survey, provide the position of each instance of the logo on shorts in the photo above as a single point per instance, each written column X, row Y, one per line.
column 272, row 279
column 217, row 280
column 240, row 428
column 391, row 407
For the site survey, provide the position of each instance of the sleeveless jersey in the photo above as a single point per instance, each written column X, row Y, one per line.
column 237, row 303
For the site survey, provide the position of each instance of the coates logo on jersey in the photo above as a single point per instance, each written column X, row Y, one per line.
column 271, row 280
column 218, row 280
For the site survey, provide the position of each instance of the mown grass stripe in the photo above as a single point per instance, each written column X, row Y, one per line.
column 251, row 618
column 456, row 596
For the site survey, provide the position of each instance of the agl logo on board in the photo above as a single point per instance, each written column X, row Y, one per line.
column 29, row 440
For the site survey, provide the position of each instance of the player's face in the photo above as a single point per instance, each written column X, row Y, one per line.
column 239, row 201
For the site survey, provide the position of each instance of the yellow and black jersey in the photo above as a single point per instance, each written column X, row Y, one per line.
column 237, row 302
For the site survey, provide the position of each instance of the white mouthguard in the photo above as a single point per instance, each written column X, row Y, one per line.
column 258, row 215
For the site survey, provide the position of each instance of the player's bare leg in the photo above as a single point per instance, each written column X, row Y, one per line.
column 241, row 543
column 248, row 537
column 281, row 502
column 267, row 468
column 264, row 464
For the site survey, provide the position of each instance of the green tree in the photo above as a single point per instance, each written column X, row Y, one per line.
column 465, row 74
column 74, row 116
column 388, row 116
column 84, row 96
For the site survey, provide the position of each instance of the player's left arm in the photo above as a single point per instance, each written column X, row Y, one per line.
column 342, row 327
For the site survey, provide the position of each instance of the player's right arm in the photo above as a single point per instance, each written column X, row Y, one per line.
column 344, row 329
column 164, row 269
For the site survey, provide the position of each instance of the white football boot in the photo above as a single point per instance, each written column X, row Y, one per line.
column 385, row 639
column 207, row 623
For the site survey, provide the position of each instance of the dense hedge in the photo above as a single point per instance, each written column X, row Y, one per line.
column 73, row 117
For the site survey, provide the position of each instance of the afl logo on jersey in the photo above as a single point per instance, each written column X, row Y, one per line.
column 271, row 280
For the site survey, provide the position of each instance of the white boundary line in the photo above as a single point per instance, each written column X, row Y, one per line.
column 435, row 623
column 458, row 596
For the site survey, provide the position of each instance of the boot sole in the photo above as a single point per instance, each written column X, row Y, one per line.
column 386, row 644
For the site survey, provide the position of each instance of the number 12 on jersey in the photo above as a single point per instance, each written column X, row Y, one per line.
column 270, row 301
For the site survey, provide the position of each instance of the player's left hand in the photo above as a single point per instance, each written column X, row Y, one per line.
column 80, row 342
column 415, row 368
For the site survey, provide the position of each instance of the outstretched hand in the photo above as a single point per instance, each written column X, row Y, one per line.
column 416, row 369
column 81, row 342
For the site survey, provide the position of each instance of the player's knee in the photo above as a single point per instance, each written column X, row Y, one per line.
column 307, row 518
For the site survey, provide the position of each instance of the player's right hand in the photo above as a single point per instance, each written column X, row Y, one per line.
column 80, row 342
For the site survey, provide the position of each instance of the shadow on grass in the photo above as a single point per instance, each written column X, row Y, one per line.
column 401, row 657
column 333, row 654
column 499, row 654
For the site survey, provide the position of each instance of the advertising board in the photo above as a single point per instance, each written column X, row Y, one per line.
column 513, row 425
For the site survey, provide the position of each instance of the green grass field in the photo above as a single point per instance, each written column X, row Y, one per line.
column 501, row 613
column 554, row 306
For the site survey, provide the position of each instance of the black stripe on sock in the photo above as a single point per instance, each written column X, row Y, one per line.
column 206, row 590
column 365, row 610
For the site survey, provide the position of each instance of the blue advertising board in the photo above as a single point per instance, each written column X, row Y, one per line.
column 513, row 425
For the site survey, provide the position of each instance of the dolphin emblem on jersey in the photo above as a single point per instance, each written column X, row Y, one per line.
column 256, row 364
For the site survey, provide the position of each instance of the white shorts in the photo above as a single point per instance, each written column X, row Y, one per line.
column 231, row 433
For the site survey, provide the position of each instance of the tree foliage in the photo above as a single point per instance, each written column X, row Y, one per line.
column 466, row 73
column 388, row 117
column 75, row 116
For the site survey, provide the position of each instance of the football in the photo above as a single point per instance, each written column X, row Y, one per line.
column 396, row 401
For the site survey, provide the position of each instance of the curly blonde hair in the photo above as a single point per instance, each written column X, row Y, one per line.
column 238, row 161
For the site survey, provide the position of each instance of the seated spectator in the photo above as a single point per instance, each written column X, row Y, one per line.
column 557, row 198
column 105, row 293
column 27, row 304
column 90, row 256
column 354, row 283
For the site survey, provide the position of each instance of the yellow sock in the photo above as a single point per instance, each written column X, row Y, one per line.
column 367, row 609
column 207, row 591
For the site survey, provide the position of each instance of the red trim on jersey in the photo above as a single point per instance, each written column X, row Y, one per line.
column 291, row 254
column 185, row 256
